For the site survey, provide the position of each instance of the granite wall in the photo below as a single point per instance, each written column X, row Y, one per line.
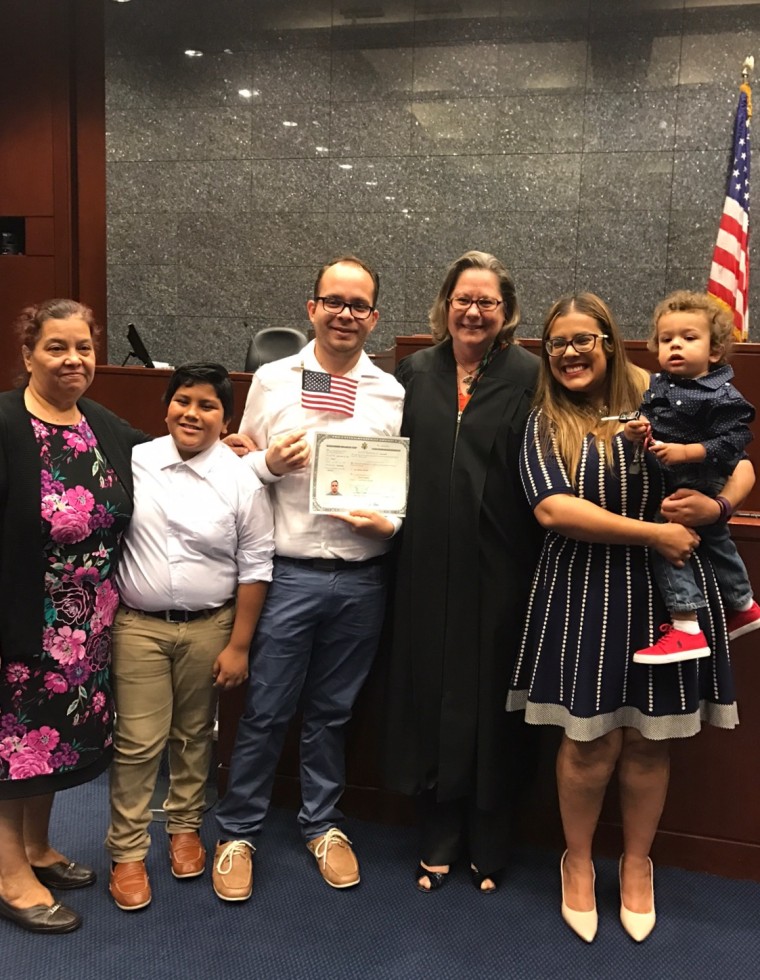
column 585, row 143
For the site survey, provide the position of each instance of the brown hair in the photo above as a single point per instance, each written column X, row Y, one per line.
column 438, row 316
column 719, row 319
column 350, row 260
column 567, row 418
column 28, row 326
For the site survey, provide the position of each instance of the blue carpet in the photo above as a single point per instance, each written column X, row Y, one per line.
column 296, row 927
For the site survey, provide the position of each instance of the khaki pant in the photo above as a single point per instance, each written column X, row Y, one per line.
column 164, row 693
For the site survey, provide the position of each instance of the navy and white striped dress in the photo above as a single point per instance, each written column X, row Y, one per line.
column 593, row 605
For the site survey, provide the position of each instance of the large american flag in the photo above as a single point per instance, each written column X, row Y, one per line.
column 729, row 272
column 328, row 392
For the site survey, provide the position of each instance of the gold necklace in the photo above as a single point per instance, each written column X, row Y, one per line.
column 468, row 375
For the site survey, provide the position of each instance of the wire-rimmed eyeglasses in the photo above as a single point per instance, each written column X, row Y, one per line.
column 334, row 304
column 581, row 342
column 485, row 304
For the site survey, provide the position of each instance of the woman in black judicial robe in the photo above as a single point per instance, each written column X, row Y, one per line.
column 468, row 550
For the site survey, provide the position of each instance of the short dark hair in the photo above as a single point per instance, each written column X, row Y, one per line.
column 204, row 373
column 350, row 260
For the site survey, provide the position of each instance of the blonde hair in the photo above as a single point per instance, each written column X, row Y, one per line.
column 439, row 311
column 719, row 319
column 567, row 418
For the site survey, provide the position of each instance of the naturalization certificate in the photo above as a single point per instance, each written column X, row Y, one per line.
column 359, row 473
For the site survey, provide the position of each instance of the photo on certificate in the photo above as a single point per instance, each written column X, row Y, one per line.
column 356, row 472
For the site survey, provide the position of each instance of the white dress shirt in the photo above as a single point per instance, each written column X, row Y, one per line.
column 200, row 527
column 273, row 408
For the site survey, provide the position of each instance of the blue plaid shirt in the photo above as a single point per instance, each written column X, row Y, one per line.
column 707, row 410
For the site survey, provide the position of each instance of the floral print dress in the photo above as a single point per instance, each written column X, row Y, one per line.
column 56, row 712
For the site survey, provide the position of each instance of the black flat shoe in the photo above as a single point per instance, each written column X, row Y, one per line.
column 478, row 879
column 42, row 918
column 436, row 878
column 62, row 875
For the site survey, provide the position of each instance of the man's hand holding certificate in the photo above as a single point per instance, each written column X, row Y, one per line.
column 359, row 474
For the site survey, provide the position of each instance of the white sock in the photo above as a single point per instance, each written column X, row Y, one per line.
column 686, row 625
column 747, row 605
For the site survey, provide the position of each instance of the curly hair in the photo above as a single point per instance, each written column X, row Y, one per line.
column 28, row 326
column 719, row 319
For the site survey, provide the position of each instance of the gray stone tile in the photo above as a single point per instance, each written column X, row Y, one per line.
column 455, row 126
column 372, row 74
column 222, row 288
column 715, row 57
column 699, row 180
column 367, row 23
column 212, row 338
column 456, row 71
column 538, row 182
column 288, row 237
column 537, row 288
column 178, row 134
column 694, row 279
column 290, row 74
column 631, row 239
column 691, row 238
column 290, row 185
column 213, row 186
column 290, row 130
column 370, row 129
column 380, row 239
column 142, row 80
column 280, row 294
column 645, row 61
column 162, row 25
column 545, row 65
column 478, row 20
column 706, row 116
column 142, row 289
column 631, row 294
column 302, row 23
column 636, row 120
column 142, row 239
column 544, row 18
column 421, row 285
column 707, row 16
column 214, row 239
column 371, row 184
column 627, row 180
column 641, row 16
column 536, row 123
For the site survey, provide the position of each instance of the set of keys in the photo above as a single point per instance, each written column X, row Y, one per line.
column 635, row 466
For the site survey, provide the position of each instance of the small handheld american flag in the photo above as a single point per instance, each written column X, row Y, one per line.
column 323, row 392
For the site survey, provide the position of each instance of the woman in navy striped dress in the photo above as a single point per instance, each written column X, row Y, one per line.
column 594, row 603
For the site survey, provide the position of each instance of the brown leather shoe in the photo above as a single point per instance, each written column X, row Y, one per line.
column 129, row 885
column 188, row 855
column 336, row 861
column 232, row 874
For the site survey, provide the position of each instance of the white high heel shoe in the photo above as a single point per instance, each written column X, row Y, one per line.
column 584, row 924
column 638, row 925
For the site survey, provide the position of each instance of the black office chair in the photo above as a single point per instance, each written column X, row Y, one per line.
column 272, row 343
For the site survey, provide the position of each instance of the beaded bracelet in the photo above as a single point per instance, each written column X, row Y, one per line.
column 726, row 510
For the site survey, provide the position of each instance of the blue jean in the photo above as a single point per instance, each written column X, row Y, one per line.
column 315, row 642
column 678, row 585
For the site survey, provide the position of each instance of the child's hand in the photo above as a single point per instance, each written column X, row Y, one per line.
column 669, row 453
column 636, row 430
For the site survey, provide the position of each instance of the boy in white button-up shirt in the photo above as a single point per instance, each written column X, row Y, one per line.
column 196, row 563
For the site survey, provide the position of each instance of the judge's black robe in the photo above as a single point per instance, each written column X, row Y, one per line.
column 467, row 554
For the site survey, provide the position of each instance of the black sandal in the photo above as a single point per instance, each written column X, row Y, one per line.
column 436, row 878
column 478, row 878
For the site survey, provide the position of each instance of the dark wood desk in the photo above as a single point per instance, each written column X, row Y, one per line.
column 711, row 820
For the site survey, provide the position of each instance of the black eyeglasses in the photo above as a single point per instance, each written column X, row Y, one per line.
column 581, row 342
column 485, row 304
column 334, row 304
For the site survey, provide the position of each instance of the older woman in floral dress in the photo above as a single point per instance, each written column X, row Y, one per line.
column 65, row 499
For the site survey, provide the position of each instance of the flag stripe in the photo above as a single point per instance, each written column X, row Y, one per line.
column 729, row 271
column 322, row 392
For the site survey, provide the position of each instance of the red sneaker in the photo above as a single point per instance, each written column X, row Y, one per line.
column 741, row 621
column 673, row 646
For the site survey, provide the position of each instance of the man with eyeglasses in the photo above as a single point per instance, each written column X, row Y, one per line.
column 320, row 626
